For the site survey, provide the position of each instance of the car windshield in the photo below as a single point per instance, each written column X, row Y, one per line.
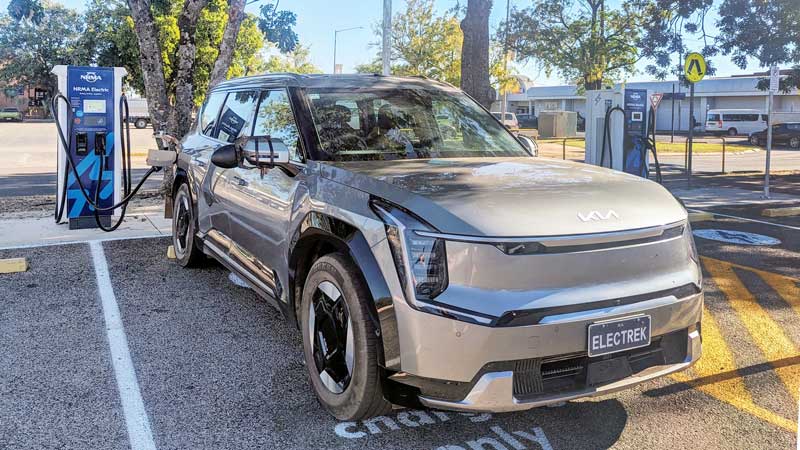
column 387, row 124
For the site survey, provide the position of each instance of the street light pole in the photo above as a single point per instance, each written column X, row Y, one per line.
column 504, row 106
column 335, row 38
column 386, row 51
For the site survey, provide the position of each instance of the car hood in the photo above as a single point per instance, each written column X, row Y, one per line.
column 513, row 197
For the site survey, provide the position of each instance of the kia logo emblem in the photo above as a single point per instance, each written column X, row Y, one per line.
column 596, row 216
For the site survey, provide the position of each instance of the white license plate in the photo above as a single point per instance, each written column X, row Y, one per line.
column 619, row 335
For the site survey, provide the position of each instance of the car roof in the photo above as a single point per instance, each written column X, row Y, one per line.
column 346, row 81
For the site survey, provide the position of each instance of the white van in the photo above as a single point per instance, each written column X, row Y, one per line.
column 735, row 121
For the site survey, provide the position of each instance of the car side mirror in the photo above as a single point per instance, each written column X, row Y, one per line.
column 529, row 143
column 265, row 151
column 225, row 157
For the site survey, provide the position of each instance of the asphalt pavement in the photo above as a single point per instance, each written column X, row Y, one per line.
column 217, row 367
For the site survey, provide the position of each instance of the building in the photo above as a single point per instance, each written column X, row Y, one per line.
column 738, row 92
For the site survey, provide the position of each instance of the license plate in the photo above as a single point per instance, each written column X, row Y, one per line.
column 619, row 335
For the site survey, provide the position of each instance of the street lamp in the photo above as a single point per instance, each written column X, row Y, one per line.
column 335, row 35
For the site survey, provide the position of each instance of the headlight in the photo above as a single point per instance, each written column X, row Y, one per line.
column 421, row 261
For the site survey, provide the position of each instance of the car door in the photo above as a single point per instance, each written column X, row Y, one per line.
column 261, row 199
column 197, row 148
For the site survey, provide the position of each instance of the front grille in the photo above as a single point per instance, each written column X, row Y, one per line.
column 538, row 377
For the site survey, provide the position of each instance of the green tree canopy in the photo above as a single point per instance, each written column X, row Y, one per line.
column 583, row 41
column 295, row 61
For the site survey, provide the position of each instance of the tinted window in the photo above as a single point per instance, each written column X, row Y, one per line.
column 793, row 126
column 237, row 115
column 10, row 110
column 208, row 120
column 275, row 119
column 712, row 118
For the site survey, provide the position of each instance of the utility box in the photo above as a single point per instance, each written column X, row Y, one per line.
column 558, row 124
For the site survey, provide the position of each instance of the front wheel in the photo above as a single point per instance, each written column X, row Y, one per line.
column 184, row 227
column 754, row 140
column 732, row 131
column 339, row 340
column 140, row 123
column 794, row 142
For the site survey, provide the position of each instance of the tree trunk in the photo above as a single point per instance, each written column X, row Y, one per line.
column 475, row 52
column 228, row 44
column 180, row 119
column 155, row 88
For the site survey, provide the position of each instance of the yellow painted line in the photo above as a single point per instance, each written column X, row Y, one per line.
column 781, row 212
column 13, row 265
column 717, row 358
column 700, row 217
column 785, row 286
column 765, row 332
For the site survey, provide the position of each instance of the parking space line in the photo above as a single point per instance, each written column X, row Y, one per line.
column 718, row 358
column 749, row 220
column 138, row 425
column 765, row 332
column 786, row 287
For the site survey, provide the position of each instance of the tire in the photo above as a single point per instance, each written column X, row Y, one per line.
column 334, row 311
column 754, row 140
column 733, row 132
column 184, row 227
column 794, row 142
column 140, row 123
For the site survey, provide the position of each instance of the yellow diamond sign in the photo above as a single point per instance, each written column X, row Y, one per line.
column 694, row 67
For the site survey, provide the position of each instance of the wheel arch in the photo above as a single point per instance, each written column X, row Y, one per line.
column 320, row 234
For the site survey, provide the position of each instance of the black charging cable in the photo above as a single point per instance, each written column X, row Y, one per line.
column 128, row 193
column 651, row 142
column 607, row 137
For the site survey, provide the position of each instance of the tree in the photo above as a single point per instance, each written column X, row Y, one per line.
column 582, row 40
column 30, row 51
column 30, row 10
column 475, row 52
column 295, row 61
column 423, row 44
column 278, row 27
column 767, row 31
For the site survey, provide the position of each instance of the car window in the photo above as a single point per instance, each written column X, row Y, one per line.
column 208, row 119
column 275, row 119
column 793, row 126
column 10, row 110
column 237, row 116
column 712, row 118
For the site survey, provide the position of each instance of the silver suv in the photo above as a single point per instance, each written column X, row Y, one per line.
column 428, row 259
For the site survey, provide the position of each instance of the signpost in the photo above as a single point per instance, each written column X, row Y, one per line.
column 655, row 100
column 774, row 82
column 694, row 68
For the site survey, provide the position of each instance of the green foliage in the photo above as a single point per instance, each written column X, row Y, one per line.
column 584, row 41
column 296, row 61
column 425, row 44
column 30, row 10
column 30, row 51
column 277, row 27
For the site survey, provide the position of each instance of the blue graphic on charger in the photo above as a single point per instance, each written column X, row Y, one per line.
column 634, row 162
column 88, row 169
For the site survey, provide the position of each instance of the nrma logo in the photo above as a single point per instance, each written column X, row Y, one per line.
column 635, row 96
column 596, row 216
column 91, row 77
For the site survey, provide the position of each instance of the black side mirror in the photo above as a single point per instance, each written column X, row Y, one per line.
column 225, row 157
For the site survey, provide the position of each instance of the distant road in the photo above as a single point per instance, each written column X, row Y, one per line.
column 45, row 183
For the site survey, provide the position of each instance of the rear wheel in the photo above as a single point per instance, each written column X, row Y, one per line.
column 184, row 227
column 754, row 140
column 794, row 142
column 732, row 131
column 140, row 123
column 339, row 340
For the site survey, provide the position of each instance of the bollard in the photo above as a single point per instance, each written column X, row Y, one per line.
column 723, row 153
column 564, row 149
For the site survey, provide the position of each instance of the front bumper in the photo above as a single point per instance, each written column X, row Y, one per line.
column 471, row 367
column 494, row 391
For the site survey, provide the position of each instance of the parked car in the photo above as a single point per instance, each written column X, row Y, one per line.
column 734, row 122
column 510, row 120
column 527, row 121
column 457, row 273
column 10, row 115
column 782, row 133
column 139, row 115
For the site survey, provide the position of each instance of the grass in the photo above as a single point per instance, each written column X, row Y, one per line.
column 701, row 147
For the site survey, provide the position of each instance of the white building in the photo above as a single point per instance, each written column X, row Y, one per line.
column 711, row 93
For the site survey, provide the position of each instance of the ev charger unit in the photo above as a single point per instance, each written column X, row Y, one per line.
column 619, row 130
column 94, row 156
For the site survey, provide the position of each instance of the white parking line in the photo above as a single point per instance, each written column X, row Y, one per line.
column 139, row 434
column 746, row 219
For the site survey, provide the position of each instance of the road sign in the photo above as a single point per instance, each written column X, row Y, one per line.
column 774, row 78
column 694, row 67
column 655, row 99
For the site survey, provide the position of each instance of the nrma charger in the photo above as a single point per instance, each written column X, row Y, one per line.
column 94, row 157
column 620, row 131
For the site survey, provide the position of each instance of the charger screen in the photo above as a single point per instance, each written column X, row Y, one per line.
column 94, row 106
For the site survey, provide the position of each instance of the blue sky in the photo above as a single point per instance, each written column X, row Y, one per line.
column 317, row 20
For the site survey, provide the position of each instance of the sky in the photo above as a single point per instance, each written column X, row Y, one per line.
column 318, row 19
